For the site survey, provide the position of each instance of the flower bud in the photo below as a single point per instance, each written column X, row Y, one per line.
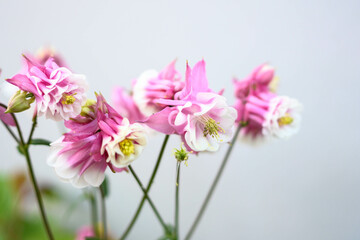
column 20, row 102
column 181, row 154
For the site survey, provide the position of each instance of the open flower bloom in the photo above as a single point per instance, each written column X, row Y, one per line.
column 270, row 115
column 125, row 105
column 201, row 116
column 263, row 112
column 99, row 138
column 153, row 85
column 58, row 92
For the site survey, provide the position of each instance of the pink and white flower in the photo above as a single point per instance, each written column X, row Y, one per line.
column 99, row 138
column 270, row 115
column 262, row 111
column 201, row 116
column 58, row 92
column 153, row 85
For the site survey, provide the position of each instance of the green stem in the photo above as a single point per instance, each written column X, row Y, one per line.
column 136, row 215
column 37, row 192
column 32, row 129
column 177, row 200
column 213, row 186
column 149, row 199
column 25, row 148
column 103, row 211
column 17, row 127
column 11, row 132
column 94, row 212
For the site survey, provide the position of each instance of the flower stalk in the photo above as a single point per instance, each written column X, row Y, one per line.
column 214, row 184
column 136, row 215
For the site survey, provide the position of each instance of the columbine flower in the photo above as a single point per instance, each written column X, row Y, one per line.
column 260, row 110
column 125, row 105
column 99, row 138
column 58, row 92
column 152, row 86
column 283, row 118
column 200, row 116
column 271, row 115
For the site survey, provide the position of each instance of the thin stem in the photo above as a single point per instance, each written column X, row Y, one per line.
column 213, row 186
column 38, row 195
column 17, row 125
column 11, row 132
column 32, row 129
column 94, row 212
column 148, row 199
column 103, row 211
column 136, row 215
column 177, row 200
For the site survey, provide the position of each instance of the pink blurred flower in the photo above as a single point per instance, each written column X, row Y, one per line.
column 125, row 105
column 84, row 232
column 201, row 116
column 258, row 81
column 152, row 86
column 6, row 117
column 99, row 138
column 58, row 92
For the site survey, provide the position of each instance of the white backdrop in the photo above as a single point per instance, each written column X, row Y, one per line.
column 304, row 188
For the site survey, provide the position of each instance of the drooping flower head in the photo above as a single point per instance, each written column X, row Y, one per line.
column 201, row 116
column 152, row 86
column 99, row 138
column 263, row 112
column 58, row 92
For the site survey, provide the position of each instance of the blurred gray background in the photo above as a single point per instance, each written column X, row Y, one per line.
column 307, row 187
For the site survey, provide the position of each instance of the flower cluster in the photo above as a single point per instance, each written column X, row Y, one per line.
column 101, row 136
column 260, row 110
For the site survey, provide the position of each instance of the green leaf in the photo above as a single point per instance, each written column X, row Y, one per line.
column 105, row 187
column 92, row 238
column 20, row 149
column 40, row 141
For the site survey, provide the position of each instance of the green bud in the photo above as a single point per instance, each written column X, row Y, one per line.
column 20, row 102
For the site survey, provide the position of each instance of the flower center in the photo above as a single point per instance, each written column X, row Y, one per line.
column 285, row 120
column 68, row 99
column 211, row 127
column 127, row 147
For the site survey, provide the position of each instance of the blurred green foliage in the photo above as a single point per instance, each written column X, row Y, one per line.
column 17, row 224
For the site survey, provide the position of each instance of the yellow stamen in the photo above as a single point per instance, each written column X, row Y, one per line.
column 285, row 120
column 68, row 99
column 127, row 147
column 211, row 127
